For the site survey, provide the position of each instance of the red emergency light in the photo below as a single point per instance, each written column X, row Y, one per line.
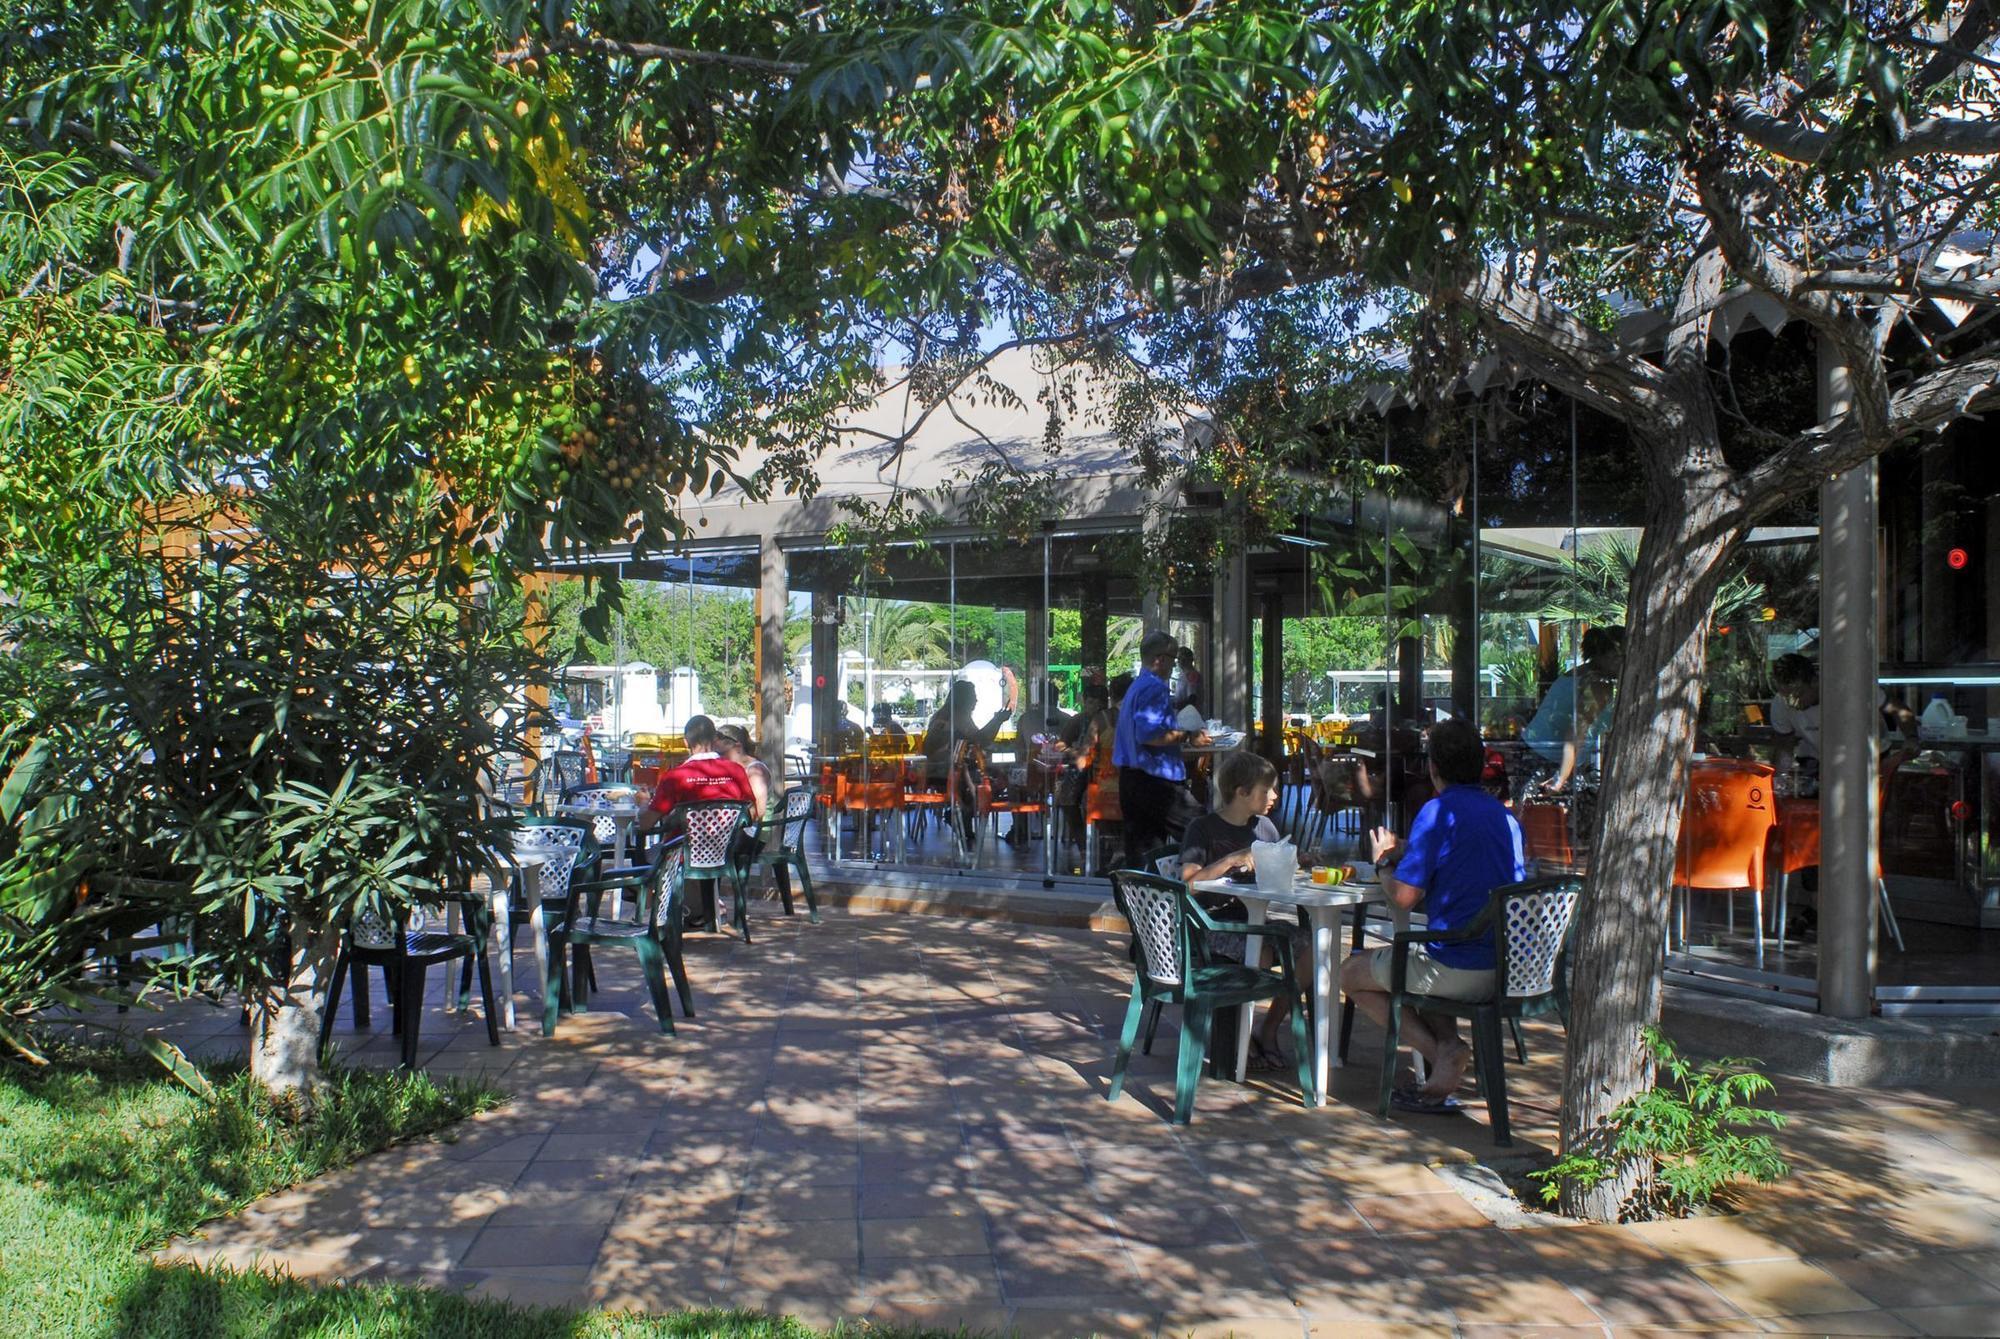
column 1957, row 559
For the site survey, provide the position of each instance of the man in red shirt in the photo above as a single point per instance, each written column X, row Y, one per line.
column 705, row 775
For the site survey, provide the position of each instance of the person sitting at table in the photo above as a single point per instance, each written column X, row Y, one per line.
column 951, row 725
column 733, row 742
column 888, row 728
column 1216, row 845
column 1463, row 845
column 1091, row 698
column 704, row 775
column 1576, row 712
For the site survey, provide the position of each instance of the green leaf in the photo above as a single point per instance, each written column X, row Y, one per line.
column 175, row 1062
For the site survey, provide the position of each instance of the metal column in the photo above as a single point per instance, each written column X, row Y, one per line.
column 1848, row 714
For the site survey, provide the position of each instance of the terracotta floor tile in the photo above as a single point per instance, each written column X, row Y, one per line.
column 1519, row 1299
column 1710, row 1240
column 1030, row 1322
column 1587, row 1247
column 836, row 1242
column 864, row 1106
column 1418, row 1213
column 516, row 1247
column 962, row 1234
column 1915, row 1280
column 1659, row 1297
column 1026, row 1275
column 1953, row 1320
column 1287, row 1326
column 962, row 1279
column 1840, row 1323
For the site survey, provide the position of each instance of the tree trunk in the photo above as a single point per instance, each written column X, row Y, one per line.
column 284, row 1051
column 1621, row 933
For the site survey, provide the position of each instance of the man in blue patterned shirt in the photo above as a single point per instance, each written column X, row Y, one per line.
column 1152, row 775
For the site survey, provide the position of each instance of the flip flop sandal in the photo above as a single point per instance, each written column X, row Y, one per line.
column 1264, row 1060
column 1422, row 1105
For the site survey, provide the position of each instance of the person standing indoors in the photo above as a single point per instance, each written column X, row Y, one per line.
column 1146, row 747
column 1463, row 845
column 1189, row 693
column 1575, row 714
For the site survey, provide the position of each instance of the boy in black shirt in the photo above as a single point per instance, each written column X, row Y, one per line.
column 1217, row 845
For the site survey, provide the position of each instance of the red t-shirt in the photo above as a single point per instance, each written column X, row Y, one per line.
column 704, row 776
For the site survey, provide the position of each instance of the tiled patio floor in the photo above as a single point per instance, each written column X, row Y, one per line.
column 902, row 1119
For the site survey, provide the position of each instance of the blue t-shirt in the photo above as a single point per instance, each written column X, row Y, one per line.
column 1463, row 845
column 1555, row 721
column 1147, row 710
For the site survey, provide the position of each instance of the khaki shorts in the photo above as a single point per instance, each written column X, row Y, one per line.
column 1428, row 976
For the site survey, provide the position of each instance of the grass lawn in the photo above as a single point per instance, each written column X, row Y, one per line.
column 104, row 1157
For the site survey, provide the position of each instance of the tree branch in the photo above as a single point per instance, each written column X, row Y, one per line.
column 78, row 131
column 1798, row 142
column 1926, row 405
column 604, row 46
column 1913, row 286
column 1729, row 214
column 1586, row 362
column 1962, row 48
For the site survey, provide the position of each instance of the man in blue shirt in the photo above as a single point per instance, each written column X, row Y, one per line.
column 1146, row 748
column 1575, row 715
column 1463, row 845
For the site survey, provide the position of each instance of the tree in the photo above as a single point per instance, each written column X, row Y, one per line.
column 1197, row 198
column 290, row 291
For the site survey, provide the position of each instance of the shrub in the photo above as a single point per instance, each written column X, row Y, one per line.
column 1692, row 1132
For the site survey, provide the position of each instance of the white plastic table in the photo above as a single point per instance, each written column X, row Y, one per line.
column 1322, row 905
column 500, row 934
column 622, row 817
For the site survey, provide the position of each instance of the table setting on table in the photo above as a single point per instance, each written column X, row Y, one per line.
column 1320, row 895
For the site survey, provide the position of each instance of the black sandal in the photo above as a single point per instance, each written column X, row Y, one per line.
column 1266, row 1059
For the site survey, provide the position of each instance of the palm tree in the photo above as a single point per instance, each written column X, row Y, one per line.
column 900, row 630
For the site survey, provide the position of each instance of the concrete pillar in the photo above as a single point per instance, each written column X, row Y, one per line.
column 1229, row 687
column 1272, row 630
column 1464, row 598
column 826, row 707
column 535, row 626
column 774, row 597
column 1848, row 830
column 1096, row 631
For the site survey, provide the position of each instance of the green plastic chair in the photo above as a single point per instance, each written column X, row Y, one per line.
column 1171, row 930
column 711, row 828
column 1531, row 925
column 655, row 936
column 789, row 855
column 401, row 944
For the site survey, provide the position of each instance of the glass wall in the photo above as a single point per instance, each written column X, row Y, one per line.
column 962, row 678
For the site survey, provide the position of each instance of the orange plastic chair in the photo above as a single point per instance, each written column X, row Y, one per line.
column 920, row 800
column 1100, row 805
column 1795, row 847
column 1545, row 835
column 1730, row 814
column 869, row 787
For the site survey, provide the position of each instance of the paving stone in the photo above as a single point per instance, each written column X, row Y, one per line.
column 901, row 1119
